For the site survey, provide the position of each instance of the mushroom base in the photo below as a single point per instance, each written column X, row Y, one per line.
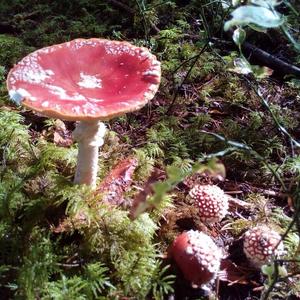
column 89, row 135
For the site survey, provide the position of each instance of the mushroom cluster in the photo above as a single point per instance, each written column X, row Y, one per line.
column 261, row 245
column 197, row 256
column 212, row 202
column 89, row 81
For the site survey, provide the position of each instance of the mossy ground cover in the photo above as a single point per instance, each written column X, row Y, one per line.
column 61, row 241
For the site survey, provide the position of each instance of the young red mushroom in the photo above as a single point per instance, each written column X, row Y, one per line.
column 211, row 201
column 261, row 245
column 197, row 256
column 89, row 81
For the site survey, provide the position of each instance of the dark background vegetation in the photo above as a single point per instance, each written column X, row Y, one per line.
column 203, row 113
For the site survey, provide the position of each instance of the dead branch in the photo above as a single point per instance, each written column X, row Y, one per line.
column 270, row 60
column 262, row 56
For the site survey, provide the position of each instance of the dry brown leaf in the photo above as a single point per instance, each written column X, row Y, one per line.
column 232, row 273
column 62, row 136
column 117, row 182
column 139, row 203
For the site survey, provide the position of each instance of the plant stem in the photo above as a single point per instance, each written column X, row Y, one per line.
column 89, row 135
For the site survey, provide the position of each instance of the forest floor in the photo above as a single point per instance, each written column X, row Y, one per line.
column 207, row 124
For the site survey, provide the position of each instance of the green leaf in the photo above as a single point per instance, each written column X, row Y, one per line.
column 250, row 14
column 257, row 28
column 268, row 270
column 241, row 66
column 265, row 3
column 261, row 71
column 239, row 36
column 236, row 2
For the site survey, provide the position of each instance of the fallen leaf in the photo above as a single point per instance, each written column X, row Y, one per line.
column 232, row 273
column 139, row 203
column 217, row 112
column 62, row 136
column 290, row 202
column 117, row 182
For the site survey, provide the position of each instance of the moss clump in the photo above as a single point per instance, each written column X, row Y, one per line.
column 12, row 49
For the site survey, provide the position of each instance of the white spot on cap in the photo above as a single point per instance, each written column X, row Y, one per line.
column 18, row 95
column 262, row 245
column 211, row 201
column 62, row 93
column 95, row 100
column 189, row 250
column 89, row 81
column 152, row 73
column 205, row 250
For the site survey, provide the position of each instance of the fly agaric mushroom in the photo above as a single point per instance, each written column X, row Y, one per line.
column 197, row 256
column 211, row 201
column 89, row 81
column 261, row 245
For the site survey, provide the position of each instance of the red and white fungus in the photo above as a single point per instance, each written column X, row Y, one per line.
column 261, row 245
column 86, row 80
column 93, row 79
column 211, row 201
column 197, row 256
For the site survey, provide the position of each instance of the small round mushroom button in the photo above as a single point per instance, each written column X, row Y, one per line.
column 197, row 256
column 211, row 201
column 261, row 245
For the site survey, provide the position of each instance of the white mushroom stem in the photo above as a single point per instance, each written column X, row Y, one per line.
column 89, row 135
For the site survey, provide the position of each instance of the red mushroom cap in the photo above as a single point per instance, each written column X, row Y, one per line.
column 93, row 79
column 197, row 256
column 261, row 245
column 212, row 202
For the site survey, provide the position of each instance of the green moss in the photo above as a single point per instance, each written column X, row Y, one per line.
column 12, row 49
column 286, row 117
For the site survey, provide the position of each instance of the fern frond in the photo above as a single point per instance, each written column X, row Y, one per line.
column 154, row 151
column 162, row 283
column 38, row 265
column 51, row 156
column 65, row 289
column 145, row 164
column 98, row 281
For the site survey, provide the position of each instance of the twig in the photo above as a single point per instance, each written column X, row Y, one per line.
column 154, row 27
column 68, row 265
column 270, row 60
column 264, row 57
column 233, row 202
